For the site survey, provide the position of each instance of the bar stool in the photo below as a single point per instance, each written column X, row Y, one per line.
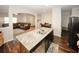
column 78, row 43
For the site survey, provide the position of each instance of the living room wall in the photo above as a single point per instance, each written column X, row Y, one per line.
column 31, row 19
column 1, row 20
column 2, row 15
column 21, row 18
column 18, row 9
column 26, row 18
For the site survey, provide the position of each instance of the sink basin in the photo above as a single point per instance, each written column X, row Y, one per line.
column 41, row 31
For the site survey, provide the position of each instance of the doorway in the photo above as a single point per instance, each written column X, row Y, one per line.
column 64, row 22
column 65, row 15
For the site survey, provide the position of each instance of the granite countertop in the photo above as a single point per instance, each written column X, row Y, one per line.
column 32, row 38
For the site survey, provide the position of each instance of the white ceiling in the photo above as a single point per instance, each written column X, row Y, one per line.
column 37, row 8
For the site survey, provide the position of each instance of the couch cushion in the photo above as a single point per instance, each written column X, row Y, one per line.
column 24, row 26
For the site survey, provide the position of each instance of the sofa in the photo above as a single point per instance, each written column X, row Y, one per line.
column 5, row 25
column 23, row 26
column 46, row 25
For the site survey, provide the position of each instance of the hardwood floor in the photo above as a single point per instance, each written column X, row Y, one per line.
column 17, row 47
column 13, row 47
column 63, row 44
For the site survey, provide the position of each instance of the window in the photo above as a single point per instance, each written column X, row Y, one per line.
column 6, row 20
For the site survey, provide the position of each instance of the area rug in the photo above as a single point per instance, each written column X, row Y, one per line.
column 18, row 31
column 53, row 48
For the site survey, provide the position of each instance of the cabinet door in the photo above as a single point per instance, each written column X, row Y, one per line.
column 46, row 45
column 48, row 40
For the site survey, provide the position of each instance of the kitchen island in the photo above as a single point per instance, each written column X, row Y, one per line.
column 31, row 40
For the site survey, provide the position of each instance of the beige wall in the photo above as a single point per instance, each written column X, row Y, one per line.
column 2, row 15
column 17, row 9
column 26, row 18
column 1, row 20
column 30, row 19
column 75, row 12
column 56, row 21
column 46, row 17
column 39, row 20
column 65, row 18
column 21, row 18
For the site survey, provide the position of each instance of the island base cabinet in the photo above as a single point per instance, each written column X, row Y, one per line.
column 48, row 40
